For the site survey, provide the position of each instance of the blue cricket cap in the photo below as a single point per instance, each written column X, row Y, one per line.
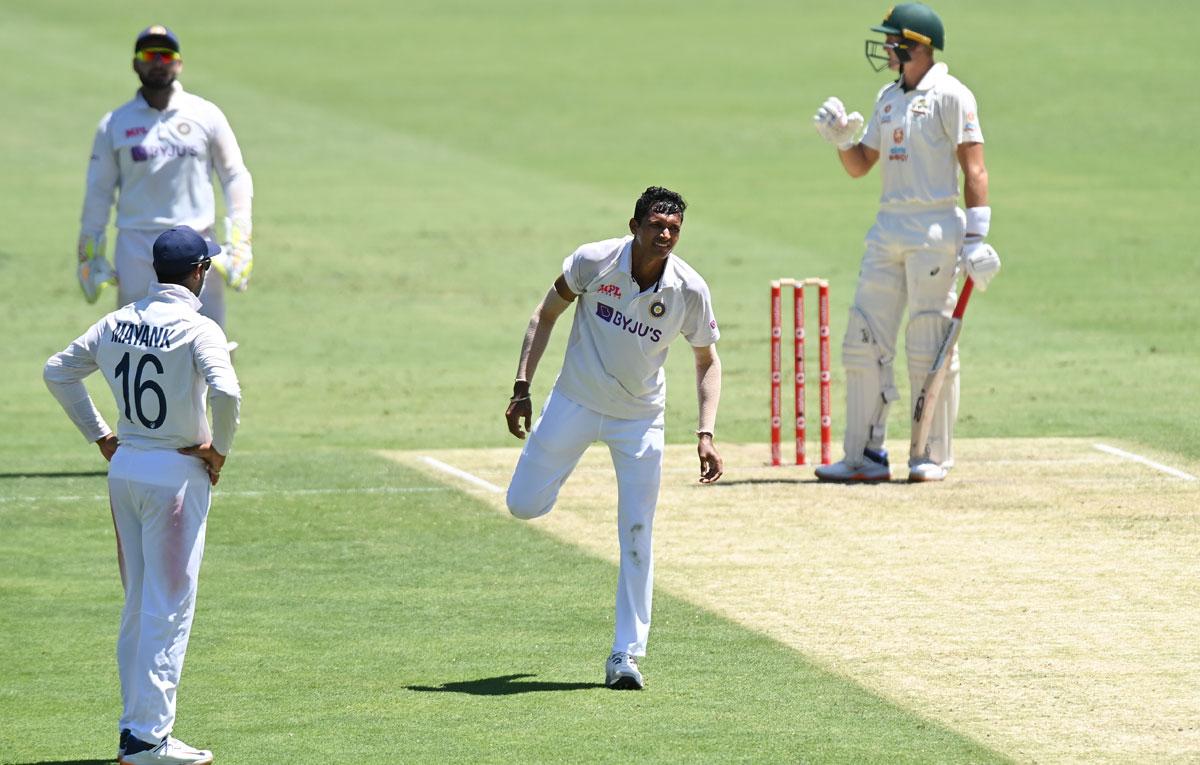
column 179, row 250
column 156, row 36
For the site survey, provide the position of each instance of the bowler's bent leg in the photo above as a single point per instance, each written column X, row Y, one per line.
column 559, row 438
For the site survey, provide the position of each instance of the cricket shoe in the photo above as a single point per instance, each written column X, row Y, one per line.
column 169, row 751
column 122, row 742
column 922, row 470
column 873, row 469
column 621, row 673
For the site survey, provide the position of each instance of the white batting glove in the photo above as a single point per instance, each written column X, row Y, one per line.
column 94, row 271
column 235, row 262
column 979, row 260
column 981, row 263
column 835, row 126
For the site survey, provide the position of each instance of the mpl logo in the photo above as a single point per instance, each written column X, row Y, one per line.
column 611, row 290
column 131, row 132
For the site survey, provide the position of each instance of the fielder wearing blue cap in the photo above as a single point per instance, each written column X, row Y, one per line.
column 179, row 250
column 156, row 156
column 168, row 369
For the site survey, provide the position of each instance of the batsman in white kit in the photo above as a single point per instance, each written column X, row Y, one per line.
column 634, row 296
column 925, row 127
column 162, row 360
column 160, row 151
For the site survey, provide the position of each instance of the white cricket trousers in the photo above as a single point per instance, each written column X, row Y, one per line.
column 133, row 259
column 159, row 501
column 553, row 448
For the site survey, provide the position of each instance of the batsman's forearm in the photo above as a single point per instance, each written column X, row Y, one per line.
column 708, row 393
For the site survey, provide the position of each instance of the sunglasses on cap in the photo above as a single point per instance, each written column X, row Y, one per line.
column 150, row 55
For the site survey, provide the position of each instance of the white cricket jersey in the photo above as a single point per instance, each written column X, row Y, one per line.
column 620, row 334
column 160, row 358
column 917, row 135
column 163, row 164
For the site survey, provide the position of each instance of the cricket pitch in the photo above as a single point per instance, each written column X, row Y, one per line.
column 1045, row 600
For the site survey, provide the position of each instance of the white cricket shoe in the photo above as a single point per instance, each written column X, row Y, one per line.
column 873, row 469
column 922, row 470
column 170, row 751
column 621, row 673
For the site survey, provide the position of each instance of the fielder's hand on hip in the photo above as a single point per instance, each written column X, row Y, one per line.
column 835, row 125
column 712, row 467
column 108, row 446
column 213, row 459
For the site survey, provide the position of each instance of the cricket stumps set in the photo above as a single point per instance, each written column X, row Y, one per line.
column 798, row 286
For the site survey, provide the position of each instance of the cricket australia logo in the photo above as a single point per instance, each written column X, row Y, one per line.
column 627, row 323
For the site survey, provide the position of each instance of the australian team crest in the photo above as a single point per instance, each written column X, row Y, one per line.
column 658, row 309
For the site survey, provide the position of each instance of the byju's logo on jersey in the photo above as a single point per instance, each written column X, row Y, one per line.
column 141, row 153
column 621, row 321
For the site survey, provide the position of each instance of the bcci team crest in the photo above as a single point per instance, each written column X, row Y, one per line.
column 658, row 308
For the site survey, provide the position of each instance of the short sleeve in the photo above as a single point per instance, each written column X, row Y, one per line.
column 578, row 271
column 960, row 118
column 870, row 138
column 700, row 325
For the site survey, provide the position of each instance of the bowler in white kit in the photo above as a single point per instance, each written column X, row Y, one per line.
column 633, row 296
column 157, row 153
column 163, row 361
column 924, row 129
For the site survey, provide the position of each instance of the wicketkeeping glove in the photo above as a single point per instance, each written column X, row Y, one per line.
column 94, row 271
column 235, row 262
column 835, row 126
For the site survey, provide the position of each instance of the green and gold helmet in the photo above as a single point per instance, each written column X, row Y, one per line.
column 912, row 23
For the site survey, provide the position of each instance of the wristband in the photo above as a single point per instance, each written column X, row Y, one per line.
column 979, row 220
column 701, row 433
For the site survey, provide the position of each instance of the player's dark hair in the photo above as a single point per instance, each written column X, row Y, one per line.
column 656, row 199
column 173, row 277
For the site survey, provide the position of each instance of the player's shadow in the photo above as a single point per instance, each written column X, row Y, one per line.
column 64, row 474
column 504, row 685
column 105, row 761
column 761, row 482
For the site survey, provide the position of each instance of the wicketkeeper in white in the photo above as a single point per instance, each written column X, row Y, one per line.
column 160, row 151
column 925, row 127
column 162, row 360
column 634, row 297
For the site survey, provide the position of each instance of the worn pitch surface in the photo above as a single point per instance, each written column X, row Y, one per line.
column 1045, row 601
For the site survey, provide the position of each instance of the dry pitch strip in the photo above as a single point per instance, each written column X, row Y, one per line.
column 1045, row 600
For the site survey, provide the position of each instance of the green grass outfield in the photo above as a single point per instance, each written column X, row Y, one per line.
column 421, row 169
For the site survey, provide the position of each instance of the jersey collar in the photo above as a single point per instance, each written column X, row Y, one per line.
column 173, row 293
column 936, row 74
column 669, row 278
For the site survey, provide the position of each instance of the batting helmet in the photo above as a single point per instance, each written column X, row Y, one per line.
column 916, row 22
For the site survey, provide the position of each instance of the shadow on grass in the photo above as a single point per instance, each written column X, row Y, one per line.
column 504, row 685
column 106, row 761
column 66, row 474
